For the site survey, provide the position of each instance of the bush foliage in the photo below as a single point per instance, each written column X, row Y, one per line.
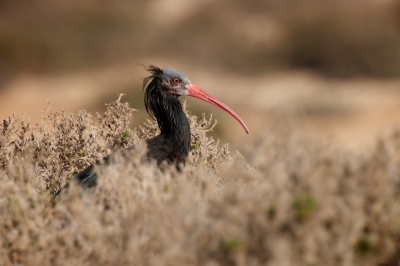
column 284, row 201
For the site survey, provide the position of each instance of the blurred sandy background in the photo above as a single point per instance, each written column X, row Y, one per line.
column 330, row 71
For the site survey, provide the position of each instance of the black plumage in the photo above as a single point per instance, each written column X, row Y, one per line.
column 161, row 101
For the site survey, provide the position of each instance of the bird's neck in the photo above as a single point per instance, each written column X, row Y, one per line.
column 174, row 139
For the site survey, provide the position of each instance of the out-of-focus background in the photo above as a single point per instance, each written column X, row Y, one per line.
column 327, row 69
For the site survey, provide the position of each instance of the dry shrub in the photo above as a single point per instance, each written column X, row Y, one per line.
column 63, row 143
column 283, row 202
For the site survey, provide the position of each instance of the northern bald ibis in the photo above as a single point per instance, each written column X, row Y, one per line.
column 162, row 103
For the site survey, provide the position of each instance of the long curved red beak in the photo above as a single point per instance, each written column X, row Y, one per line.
column 197, row 92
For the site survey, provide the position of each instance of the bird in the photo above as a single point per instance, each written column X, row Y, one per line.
column 162, row 90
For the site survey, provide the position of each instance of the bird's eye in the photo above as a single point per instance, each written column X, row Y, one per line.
column 176, row 80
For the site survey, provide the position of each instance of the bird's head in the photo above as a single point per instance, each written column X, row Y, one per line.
column 175, row 83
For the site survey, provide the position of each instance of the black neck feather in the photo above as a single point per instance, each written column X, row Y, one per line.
column 173, row 143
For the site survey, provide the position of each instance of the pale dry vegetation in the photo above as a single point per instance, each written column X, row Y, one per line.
column 284, row 201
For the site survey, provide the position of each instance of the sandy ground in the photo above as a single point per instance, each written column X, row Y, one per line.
column 348, row 113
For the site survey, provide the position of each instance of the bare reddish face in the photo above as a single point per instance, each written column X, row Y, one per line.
column 195, row 91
